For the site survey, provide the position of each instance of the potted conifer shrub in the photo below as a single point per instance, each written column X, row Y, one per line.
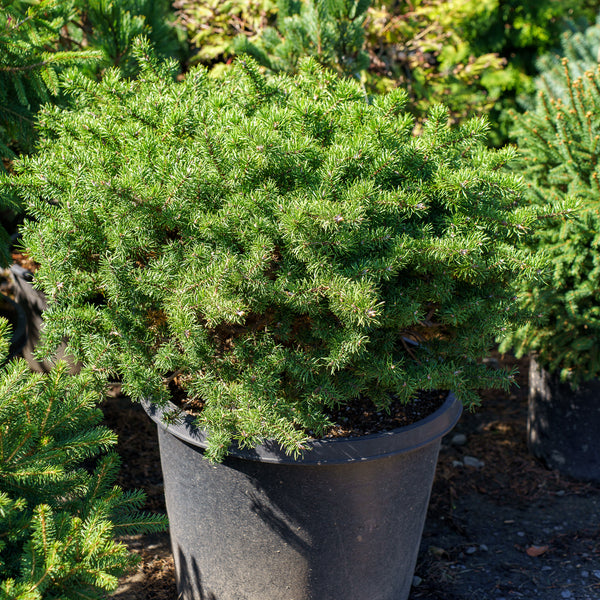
column 559, row 140
column 276, row 267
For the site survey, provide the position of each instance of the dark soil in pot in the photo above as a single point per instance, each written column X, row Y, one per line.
column 508, row 528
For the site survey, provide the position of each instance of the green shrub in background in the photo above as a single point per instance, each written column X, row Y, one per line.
column 212, row 25
column 112, row 25
column 60, row 511
column 330, row 31
column 560, row 144
column 39, row 38
column 413, row 47
column 475, row 56
column 520, row 31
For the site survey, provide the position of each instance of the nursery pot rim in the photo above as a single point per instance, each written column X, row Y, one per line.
column 327, row 450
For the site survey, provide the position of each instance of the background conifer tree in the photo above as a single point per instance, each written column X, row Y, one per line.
column 39, row 38
column 580, row 48
column 112, row 26
column 60, row 511
column 559, row 140
column 30, row 59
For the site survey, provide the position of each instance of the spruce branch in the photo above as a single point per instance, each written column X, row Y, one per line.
column 58, row 520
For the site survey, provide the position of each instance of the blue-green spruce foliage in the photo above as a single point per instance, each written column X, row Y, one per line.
column 579, row 52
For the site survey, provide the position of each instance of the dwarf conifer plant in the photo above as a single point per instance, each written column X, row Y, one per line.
column 60, row 511
column 271, row 247
column 560, row 139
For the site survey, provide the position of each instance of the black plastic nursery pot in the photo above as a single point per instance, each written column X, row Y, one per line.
column 344, row 522
column 33, row 303
column 563, row 424
column 15, row 315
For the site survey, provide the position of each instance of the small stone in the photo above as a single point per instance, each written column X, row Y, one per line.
column 460, row 439
column 471, row 550
column 546, row 568
column 457, row 463
column 566, row 594
column 585, row 574
column 471, row 461
column 597, row 574
column 417, row 581
column 521, row 533
column 483, row 548
column 436, row 551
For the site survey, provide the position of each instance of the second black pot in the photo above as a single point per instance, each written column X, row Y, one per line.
column 563, row 425
column 15, row 315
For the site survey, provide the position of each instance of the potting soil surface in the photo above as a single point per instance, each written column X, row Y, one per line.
column 500, row 526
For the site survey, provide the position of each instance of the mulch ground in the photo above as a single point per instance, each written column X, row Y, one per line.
column 500, row 525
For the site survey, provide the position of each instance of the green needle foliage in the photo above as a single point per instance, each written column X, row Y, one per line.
column 560, row 141
column 330, row 31
column 112, row 26
column 59, row 508
column 272, row 246
column 39, row 38
column 30, row 60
